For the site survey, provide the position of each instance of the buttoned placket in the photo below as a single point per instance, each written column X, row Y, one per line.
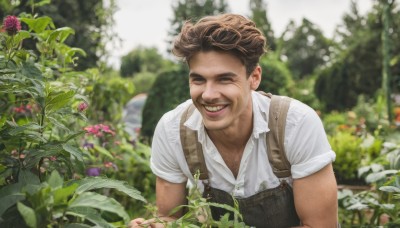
column 238, row 190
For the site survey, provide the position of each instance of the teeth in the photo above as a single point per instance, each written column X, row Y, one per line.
column 213, row 108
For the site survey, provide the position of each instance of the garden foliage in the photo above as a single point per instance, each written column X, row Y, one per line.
column 42, row 169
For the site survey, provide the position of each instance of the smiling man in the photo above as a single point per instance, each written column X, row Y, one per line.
column 228, row 123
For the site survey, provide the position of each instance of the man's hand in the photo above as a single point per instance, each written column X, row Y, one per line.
column 141, row 222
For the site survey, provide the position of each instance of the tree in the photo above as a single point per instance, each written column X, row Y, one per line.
column 358, row 62
column 142, row 59
column 305, row 48
column 193, row 10
column 91, row 20
column 259, row 16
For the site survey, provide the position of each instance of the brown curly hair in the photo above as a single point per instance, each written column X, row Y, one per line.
column 226, row 32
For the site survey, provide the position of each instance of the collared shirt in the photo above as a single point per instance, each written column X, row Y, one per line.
column 306, row 144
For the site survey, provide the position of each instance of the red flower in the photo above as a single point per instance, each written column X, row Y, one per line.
column 12, row 25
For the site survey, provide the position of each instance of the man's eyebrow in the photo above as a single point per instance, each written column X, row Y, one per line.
column 225, row 74
column 194, row 75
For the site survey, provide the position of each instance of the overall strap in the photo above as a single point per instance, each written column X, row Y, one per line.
column 192, row 147
column 279, row 107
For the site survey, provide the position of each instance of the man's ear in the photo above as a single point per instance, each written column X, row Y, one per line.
column 255, row 78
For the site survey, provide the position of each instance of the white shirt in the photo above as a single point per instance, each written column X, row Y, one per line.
column 306, row 144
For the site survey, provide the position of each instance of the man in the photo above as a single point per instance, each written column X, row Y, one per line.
column 231, row 122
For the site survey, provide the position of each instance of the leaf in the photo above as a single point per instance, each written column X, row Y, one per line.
column 103, row 151
column 374, row 177
column 9, row 196
column 27, row 214
column 357, row 206
column 90, row 214
column 21, row 35
column 77, row 225
column 60, row 34
column 38, row 25
column 42, row 3
column 55, row 181
column 74, row 151
column 26, row 177
column 58, row 124
column 20, row 129
column 95, row 200
column 389, row 189
column 59, row 101
column 91, row 183
column 62, row 195
column 29, row 70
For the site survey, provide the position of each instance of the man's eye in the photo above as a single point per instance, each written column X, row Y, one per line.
column 225, row 79
column 197, row 79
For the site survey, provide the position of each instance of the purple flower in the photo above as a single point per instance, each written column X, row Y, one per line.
column 93, row 171
column 88, row 145
column 12, row 25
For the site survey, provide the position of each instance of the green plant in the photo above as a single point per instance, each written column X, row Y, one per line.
column 54, row 202
column 198, row 212
column 41, row 159
column 380, row 205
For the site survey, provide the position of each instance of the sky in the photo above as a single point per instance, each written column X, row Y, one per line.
column 147, row 22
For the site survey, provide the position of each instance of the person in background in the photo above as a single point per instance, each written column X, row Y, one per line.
column 231, row 122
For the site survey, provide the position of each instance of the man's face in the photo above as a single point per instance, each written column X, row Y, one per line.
column 220, row 89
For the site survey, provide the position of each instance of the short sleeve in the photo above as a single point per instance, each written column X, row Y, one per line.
column 307, row 147
column 164, row 160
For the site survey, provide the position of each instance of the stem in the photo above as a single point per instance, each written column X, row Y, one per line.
column 10, row 51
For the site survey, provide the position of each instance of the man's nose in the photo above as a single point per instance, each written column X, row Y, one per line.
column 210, row 92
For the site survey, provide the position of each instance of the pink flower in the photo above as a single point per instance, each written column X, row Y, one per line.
column 82, row 106
column 12, row 25
column 99, row 130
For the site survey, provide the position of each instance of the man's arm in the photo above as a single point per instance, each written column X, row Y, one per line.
column 169, row 196
column 315, row 198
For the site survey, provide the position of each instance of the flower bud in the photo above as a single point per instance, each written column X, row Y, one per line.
column 11, row 25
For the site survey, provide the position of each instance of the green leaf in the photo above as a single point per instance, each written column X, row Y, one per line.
column 90, row 214
column 29, row 70
column 38, row 25
column 21, row 35
column 55, row 180
column 28, row 127
column 91, row 183
column 26, row 177
column 58, row 124
column 95, row 200
column 389, row 189
column 62, row 195
column 74, row 151
column 78, row 225
column 27, row 214
column 9, row 196
column 374, row 177
column 61, row 34
column 59, row 101
column 103, row 151
column 42, row 3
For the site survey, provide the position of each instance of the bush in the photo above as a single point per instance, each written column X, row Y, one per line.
column 169, row 90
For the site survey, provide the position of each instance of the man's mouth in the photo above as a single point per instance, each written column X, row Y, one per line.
column 213, row 108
